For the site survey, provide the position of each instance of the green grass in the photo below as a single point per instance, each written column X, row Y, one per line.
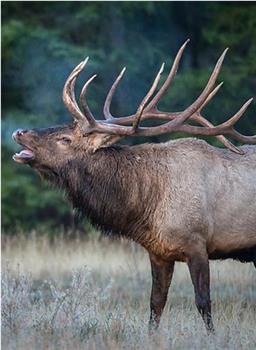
column 94, row 294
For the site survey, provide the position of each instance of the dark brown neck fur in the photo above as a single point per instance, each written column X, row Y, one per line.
column 106, row 187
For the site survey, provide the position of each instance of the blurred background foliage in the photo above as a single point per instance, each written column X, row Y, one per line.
column 43, row 41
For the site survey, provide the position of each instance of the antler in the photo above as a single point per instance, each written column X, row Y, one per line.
column 127, row 126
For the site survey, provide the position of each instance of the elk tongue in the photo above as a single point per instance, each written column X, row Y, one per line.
column 25, row 154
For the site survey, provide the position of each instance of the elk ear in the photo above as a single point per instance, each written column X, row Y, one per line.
column 103, row 140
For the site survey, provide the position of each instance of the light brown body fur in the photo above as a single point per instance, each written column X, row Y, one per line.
column 205, row 194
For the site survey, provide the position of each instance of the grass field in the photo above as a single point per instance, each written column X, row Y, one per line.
column 94, row 294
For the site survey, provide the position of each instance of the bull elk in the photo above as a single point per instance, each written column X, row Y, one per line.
column 183, row 200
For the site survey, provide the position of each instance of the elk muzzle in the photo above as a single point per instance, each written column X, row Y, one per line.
column 23, row 137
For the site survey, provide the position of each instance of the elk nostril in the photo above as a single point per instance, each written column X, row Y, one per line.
column 22, row 132
column 18, row 132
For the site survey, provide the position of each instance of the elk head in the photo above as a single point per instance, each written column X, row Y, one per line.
column 50, row 148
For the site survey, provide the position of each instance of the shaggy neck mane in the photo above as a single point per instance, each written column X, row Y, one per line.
column 106, row 187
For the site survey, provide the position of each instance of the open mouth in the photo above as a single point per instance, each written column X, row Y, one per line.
column 24, row 156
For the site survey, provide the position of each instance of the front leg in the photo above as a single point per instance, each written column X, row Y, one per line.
column 200, row 274
column 162, row 272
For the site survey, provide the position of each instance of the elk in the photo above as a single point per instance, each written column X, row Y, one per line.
column 183, row 200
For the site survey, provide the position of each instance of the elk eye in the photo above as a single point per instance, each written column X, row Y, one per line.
column 65, row 140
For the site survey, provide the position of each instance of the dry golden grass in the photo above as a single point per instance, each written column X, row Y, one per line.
column 94, row 294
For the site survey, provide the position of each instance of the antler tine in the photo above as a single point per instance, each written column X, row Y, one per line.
column 231, row 121
column 72, row 92
column 84, row 103
column 169, row 79
column 106, row 108
column 195, row 106
column 224, row 128
column 73, row 82
column 68, row 94
column 242, row 138
column 201, row 120
column 211, row 95
column 147, row 98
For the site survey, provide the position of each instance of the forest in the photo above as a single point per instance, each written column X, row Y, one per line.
column 43, row 41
